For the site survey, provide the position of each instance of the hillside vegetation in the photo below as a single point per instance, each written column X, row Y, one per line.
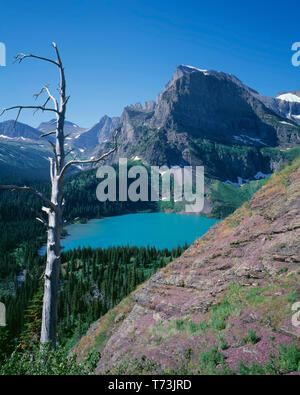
column 224, row 306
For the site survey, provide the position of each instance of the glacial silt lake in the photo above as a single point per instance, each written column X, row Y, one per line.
column 160, row 230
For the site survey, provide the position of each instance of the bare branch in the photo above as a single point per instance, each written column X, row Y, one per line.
column 66, row 101
column 39, row 217
column 37, row 95
column 48, row 134
column 57, row 54
column 46, row 102
column 97, row 160
column 69, row 152
column 21, row 56
column 53, row 146
column 46, row 209
column 31, row 190
column 50, row 96
column 16, row 120
column 20, row 108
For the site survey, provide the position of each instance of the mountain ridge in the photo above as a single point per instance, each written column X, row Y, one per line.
column 18, row 130
column 202, row 117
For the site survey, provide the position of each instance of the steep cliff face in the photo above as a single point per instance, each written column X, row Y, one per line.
column 227, row 299
column 209, row 118
column 214, row 105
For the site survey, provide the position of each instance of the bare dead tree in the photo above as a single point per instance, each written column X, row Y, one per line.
column 54, row 206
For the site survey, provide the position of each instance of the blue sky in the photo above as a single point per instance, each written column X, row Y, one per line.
column 120, row 52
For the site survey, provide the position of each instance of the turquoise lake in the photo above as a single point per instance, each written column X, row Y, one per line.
column 154, row 229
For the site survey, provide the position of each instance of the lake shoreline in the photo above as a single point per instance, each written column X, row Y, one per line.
column 155, row 229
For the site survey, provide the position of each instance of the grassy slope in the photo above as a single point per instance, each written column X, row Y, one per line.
column 225, row 325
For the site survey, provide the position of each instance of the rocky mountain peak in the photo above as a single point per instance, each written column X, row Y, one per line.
column 184, row 69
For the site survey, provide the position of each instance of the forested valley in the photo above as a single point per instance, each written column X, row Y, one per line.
column 91, row 281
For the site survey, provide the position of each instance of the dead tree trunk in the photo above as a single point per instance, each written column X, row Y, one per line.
column 55, row 205
column 51, row 277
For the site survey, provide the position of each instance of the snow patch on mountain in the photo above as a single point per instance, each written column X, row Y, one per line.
column 206, row 72
column 3, row 136
column 240, row 181
column 260, row 175
column 289, row 97
column 238, row 184
column 247, row 139
column 286, row 123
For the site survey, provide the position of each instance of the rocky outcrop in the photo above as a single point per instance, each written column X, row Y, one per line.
column 231, row 291
column 147, row 106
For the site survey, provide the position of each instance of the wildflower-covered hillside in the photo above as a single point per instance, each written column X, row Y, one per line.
column 225, row 305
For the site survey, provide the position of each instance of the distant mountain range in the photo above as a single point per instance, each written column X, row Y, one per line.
column 9, row 130
column 98, row 134
column 70, row 128
column 16, row 139
column 202, row 117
